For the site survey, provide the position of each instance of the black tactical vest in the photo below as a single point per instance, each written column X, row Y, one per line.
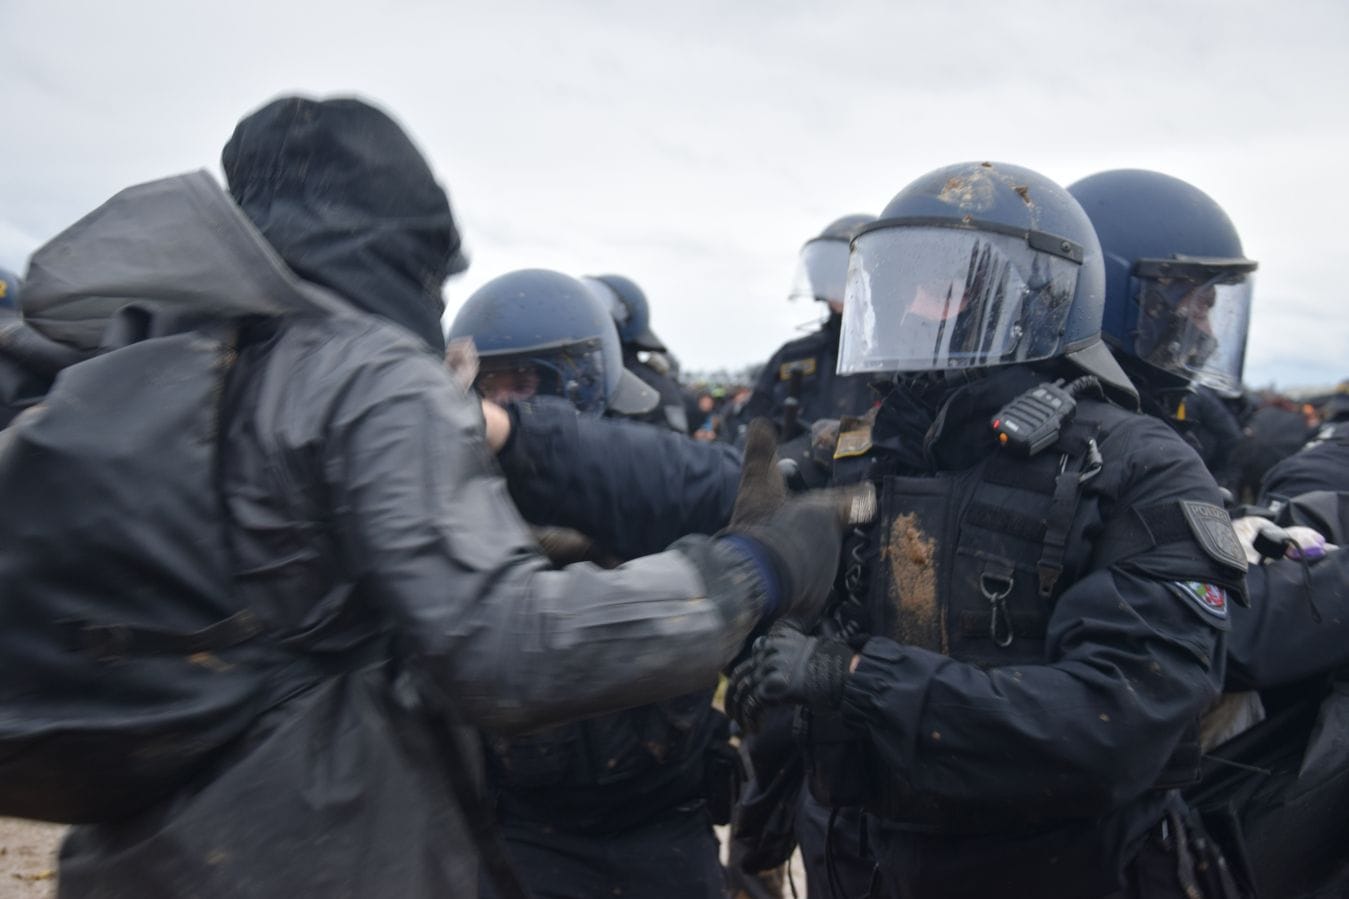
column 970, row 564
column 984, row 597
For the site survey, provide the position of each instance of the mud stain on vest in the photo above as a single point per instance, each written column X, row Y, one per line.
column 911, row 555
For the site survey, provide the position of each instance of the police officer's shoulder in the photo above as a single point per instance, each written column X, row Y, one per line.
column 853, row 436
column 1144, row 446
column 1162, row 500
column 803, row 354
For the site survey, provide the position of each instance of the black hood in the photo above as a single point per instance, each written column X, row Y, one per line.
column 340, row 191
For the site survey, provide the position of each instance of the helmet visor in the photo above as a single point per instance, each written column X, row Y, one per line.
column 1193, row 324
column 929, row 298
column 574, row 372
column 821, row 271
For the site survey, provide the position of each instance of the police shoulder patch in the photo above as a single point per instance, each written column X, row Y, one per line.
column 805, row 366
column 1213, row 531
column 854, row 438
column 1207, row 598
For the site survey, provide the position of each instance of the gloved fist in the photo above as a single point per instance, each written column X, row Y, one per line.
column 798, row 538
column 788, row 667
column 802, row 543
column 742, row 703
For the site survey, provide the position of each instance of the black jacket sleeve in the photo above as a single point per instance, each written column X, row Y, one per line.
column 432, row 538
column 631, row 487
column 1278, row 641
column 1324, row 466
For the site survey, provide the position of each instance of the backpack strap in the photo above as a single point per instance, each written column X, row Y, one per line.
column 109, row 642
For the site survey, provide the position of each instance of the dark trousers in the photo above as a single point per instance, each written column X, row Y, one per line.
column 1175, row 861
column 674, row 856
column 838, row 863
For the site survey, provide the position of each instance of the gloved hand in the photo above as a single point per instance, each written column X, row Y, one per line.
column 796, row 541
column 762, row 491
column 566, row 546
column 787, row 666
column 1294, row 542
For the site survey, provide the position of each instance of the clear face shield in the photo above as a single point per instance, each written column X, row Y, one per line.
column 821, row 271
column 935, row 298
column 574, row 372
column 1192, row 318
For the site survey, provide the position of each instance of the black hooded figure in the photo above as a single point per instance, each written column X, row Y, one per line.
column 402, row 605
column 342, row 194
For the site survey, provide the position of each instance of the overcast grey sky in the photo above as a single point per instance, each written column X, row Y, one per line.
column 695, row 145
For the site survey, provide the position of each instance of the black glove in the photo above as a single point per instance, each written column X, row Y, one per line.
column 761, row 491
column 798, row 539
column 787, row 666
column 800, row 545
column 565, row 546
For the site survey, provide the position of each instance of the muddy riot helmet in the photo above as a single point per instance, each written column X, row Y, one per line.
column 9, row 289
column 543, row 332
column 630, row 310
column 822, row 267
column 1178, row 287
column 976, row 265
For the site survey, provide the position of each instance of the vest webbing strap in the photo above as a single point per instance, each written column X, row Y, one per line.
column 1077, row 442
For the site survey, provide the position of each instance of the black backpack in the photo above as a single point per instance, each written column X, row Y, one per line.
column 28, row 363
column 125, row 661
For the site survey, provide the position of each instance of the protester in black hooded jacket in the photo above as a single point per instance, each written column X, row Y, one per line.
column 371, row 528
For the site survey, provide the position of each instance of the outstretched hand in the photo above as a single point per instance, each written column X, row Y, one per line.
column 762, row 491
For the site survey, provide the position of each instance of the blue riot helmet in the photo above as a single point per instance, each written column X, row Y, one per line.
column 976, row 265
column 822, row 266
column 9, row 289
column 543, row 332
column 1178, row 288
column 630, row 310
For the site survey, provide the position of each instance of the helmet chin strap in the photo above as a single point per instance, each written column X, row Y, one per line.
column 930, row 388
column 943, row 380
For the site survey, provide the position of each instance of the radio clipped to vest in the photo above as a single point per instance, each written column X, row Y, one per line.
column 1033, row 421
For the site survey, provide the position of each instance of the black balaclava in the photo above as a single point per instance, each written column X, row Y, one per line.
column 340, row 191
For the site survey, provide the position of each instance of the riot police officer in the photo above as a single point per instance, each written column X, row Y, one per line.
column 614, row 804
column 1178, row 301
column 800, row 384
column 1004, row 695
column 631, row 312
column 1177, row 305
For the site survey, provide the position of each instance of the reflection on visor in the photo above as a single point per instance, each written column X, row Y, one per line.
column 821, row 271
column 576, row 375
column 1194, row 328
column 931, row 298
